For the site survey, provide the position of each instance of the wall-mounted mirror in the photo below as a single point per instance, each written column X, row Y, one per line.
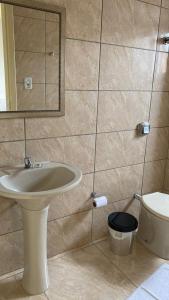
column 31, row 59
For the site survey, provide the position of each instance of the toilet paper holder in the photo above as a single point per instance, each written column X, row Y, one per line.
column 95, row 195
column 99, row 200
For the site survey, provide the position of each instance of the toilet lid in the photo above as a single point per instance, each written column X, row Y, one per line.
column 157, row 203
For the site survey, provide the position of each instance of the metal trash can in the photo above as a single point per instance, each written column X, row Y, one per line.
column 122, row 228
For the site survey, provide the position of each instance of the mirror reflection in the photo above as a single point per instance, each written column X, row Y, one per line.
column 29, row 59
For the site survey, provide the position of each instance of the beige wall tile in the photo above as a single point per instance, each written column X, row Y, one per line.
column 29, row 34
column 11, row 252
column 122, row 110
column 30, row 65
column 11, row 129
column 166, row 180
column 153, row 179
column 100, row 215
column 159, row 109
column 10, row 216
column 161, row 77
column 52, row 45
column 28, row 12
column 86, row 22
column 53, row 17
column 52, row 97
column 52, row 69
column 157, row 144
column 119, row 149
column 12, row 153
column 126, row 69
column 155, row 2
column 69, row 232
column 82, row 65
column 130, row 23
column 118, row 184
column 78, row 150
column 80, row 118
column 31, row 99
column 165, row 3
column 83, row 18
column 73, row 201
column 164, row 28
column 52, row 37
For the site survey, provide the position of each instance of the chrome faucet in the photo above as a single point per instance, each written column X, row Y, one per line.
column 28, row 162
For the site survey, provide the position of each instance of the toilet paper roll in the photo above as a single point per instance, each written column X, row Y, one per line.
column 100, row 201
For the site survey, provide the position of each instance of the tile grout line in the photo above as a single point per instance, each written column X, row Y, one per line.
column 74, row 134
column 97, row 110
column 154, row 70
column 116, row 267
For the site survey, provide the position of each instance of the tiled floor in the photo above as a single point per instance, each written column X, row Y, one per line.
column 91, row 273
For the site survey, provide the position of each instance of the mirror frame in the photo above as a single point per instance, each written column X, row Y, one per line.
column 34, row 4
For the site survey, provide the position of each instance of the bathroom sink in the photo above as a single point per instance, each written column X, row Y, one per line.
column 34, row 187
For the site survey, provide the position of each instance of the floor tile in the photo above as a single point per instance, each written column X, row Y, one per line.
column 87, row 274
column 137, row 266
column 11, row 289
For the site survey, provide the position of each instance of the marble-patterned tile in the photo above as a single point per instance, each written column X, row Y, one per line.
column 130, row 23
column 82, row 65
column 29, row 34
column 53, row 17
column 10, row 216
column 86, row 24
column 164, row 28
column 122, row 110
column 88, row 275
column 28, row 12
column 11, row 130
column 125, row 68
column 100, row 215
column 77, row 150
column 118, row 184
column 159, row 109
column 11, row 252
column 73, row 201
column 154, row 2
column 52, row 69
column 31, row 99
column 52, row 53
column 119, row 149
column 30, row 64
column 80, row 118
column 52, row 97
column 153, row 179
column 157, row 144
column 52, row 37
column 137, row 266
column 83, row 18
column 166, row 179
column 12, row 153
column 165, row 3
column 161, row 76
column 11, row 288
column 69, row 232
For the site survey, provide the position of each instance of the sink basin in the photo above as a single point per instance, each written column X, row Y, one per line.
column 33, row 189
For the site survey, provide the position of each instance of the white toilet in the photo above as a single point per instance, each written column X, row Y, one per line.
column 154, row 223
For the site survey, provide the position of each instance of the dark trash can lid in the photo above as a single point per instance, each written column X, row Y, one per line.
column 122, row 222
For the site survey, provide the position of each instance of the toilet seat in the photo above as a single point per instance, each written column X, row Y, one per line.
column 158, row 204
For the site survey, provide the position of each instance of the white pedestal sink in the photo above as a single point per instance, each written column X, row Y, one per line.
column 33, row 189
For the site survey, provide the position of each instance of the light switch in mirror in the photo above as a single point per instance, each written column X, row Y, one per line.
column 31, row 59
